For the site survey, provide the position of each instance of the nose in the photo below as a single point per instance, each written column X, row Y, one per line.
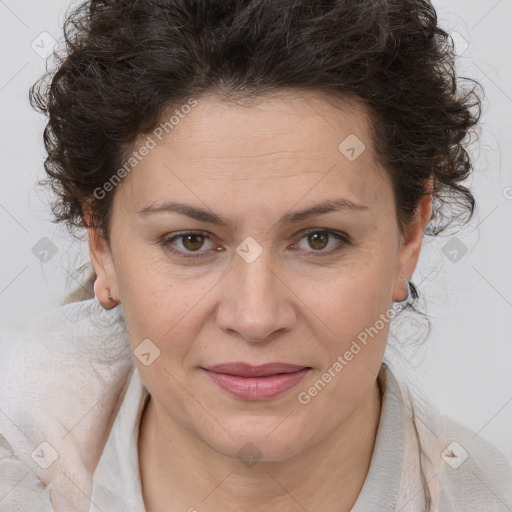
column 256, row 304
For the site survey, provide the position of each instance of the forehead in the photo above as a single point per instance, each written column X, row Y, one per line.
column 279, row 148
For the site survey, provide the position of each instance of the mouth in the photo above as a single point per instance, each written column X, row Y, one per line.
column 250, row 382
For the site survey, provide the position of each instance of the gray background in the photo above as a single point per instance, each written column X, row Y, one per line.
column 465, row 364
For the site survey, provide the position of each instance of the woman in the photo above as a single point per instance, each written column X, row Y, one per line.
column 256, row 178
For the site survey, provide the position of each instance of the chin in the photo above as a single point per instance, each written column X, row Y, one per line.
column 255, row 447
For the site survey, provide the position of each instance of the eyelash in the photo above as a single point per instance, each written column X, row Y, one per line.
column 166, row 242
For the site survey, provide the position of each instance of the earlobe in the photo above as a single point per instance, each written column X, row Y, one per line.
column 401, row 293
column 104, row 295
column 411, row 293
column 105, row 285
column 412, row 242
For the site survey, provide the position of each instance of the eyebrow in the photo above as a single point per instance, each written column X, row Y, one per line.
column 204, row 215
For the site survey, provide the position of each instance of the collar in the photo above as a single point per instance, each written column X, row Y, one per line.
column 382, row 484
column 117, row 484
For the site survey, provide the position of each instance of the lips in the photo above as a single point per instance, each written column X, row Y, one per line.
column 263, row 382
column 247, row 370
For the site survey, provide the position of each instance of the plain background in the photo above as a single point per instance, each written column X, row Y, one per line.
column 465, row 364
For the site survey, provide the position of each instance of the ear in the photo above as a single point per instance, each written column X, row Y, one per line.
column 105, row 286
column 411, row 244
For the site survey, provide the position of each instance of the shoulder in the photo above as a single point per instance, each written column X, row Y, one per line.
column 460, row 469
column 475, row 475
column 20, row 489
column 474, row 463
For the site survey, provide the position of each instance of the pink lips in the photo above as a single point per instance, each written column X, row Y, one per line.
column 256, row 382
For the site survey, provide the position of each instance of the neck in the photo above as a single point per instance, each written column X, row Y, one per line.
column 327, row 476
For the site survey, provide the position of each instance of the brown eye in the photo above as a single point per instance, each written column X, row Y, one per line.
column 188, row 244
column 192, row 242
column 323, row 242
column 318, row 240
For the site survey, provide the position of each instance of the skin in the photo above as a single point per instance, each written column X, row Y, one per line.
column 251, row 164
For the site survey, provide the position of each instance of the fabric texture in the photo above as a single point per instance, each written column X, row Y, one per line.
column 71, row 401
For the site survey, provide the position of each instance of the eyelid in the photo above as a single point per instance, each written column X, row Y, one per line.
column 339, row 235
column 166, row 242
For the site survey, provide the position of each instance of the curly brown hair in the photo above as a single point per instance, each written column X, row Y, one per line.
column 126, row 62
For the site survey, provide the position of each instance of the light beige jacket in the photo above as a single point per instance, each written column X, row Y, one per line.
column 70, row 395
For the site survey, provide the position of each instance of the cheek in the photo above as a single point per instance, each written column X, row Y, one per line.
column 349, row 298
column 355, row 329
column 353, row 315
column 170, row 311
column 156, row 295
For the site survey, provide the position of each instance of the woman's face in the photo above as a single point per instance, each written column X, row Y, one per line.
column 278, row 269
